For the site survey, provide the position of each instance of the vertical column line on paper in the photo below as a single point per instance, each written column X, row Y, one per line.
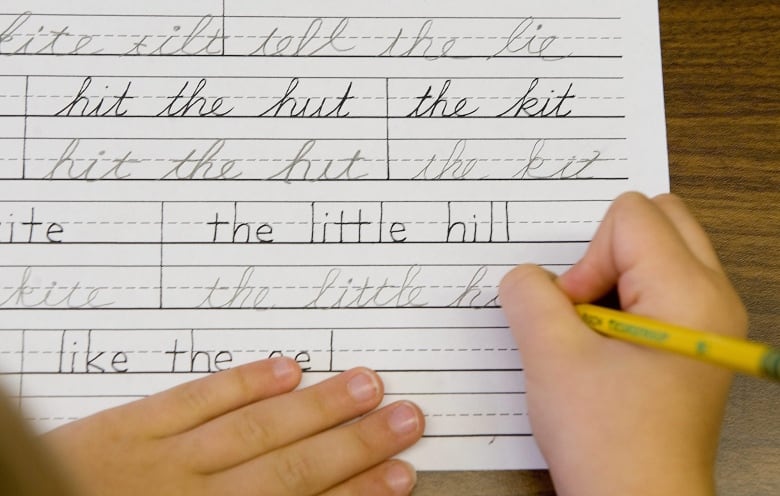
column 313, row 222
column 162, row 249
column 224, row 34
column 21, row 370
column 24, row 130
column 381, row 219
column 387, row 125
column 330, row 351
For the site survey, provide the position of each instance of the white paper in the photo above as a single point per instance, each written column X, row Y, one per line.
column 189, row 186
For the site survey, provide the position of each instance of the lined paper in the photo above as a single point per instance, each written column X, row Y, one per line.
column 185, row 188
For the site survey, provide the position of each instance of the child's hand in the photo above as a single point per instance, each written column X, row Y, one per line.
column 242, row 432
column 611, row 417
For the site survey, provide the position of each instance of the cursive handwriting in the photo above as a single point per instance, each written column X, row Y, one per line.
column 339, row 290
column 205, row 38
column 188, row 103
column 306, row 44
column 290, row 105
column 422, row 44
column 540, row 167
column 533, row 105
column 439, row 106
column 473, row 294
column 521, row 42
column 241, row 295
column 43, row 40
column 452, row 167
column 83, row 105
column 74, row 296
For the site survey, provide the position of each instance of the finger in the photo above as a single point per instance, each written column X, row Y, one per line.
column 261, row 427
column 393, row 478
column 636, row 245
column 321, row 462
column 543, row 320
column 689, row 229
column 189, row 405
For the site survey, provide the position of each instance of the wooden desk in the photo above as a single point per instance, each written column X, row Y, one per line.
column 722, row 80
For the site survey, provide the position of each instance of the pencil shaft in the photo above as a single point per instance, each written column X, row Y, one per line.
column 736, row 354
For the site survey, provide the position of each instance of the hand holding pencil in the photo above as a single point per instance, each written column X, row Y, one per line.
column 647, row 420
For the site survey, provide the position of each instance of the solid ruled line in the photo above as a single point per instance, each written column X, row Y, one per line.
column 315, row 117
column 330, row 365
column 347, row 181
column 456, row 436
column 248, row 16
column 208, row 139
column 296, row 243
column 244, row 309
column 339, row 78
column 224, row 30
column 278, row 329
column 138, row 396
column 300, row 202
column 162, row 249
column 324, row 56
column 498, row 18
column 201, row 372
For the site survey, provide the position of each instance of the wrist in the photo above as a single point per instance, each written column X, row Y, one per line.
column 633, row 478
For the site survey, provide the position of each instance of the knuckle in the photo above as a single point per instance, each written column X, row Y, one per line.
column 253, row 431
column 242, row 383
column 739, row 314
column 374, row 482
column 365, row 436
column 295, row 473
column 321, row 402
column 197, row 396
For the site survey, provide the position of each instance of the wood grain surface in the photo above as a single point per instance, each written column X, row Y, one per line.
column 722, row 85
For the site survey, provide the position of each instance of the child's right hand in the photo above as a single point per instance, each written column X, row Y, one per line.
column 611, row 417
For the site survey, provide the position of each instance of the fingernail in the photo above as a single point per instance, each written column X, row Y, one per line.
column 403, row 419
column 284, row 368
column 363, row 387
column 401, row 478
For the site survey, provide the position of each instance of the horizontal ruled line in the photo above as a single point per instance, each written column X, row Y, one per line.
column 191, row 266
column 378, row 180
column 304, row 78
column 245, row 309
column 206, row 139
column 434, row 436
column 322, row 56
column 218, row 14
column 139, row 396
column 293, row 243
column 303, row 202
column 178, row 372
column 277, row 328
column 320, row 118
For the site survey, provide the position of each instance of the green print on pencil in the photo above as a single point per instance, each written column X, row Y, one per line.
column 770, row 364
column 639, row 332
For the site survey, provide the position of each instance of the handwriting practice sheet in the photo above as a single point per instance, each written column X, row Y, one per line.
column 190, row 186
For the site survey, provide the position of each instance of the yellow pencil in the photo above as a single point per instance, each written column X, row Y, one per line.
column 736, row 354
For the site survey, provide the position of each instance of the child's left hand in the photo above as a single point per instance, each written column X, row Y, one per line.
column 246, row 432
